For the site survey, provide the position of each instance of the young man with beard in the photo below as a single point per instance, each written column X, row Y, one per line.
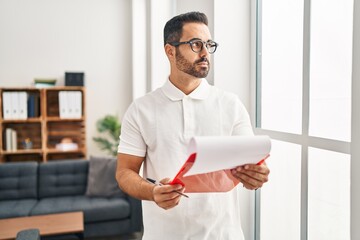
column 157, row 128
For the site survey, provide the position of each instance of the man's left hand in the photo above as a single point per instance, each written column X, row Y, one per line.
column 252, row 176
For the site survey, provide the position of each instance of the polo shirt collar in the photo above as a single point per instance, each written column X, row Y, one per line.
column 175, row 94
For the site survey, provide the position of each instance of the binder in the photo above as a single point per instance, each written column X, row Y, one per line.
column 7, row 108
column 36, row 105
column 31, row 106
column 15, row 105
column 63, row 104
column 22, row 103
column 71, row 104
column 77, row 96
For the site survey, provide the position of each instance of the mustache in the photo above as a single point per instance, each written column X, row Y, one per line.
column 203, row 59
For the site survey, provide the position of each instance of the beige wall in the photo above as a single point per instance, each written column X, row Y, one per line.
column 106, row 40
column 42, row 38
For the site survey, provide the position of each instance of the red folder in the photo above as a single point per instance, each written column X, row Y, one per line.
column 218, row 181
column 208, row 167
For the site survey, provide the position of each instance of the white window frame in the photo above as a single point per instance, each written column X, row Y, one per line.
column 303, row 139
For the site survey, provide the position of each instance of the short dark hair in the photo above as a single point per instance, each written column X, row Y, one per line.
column 173, row 27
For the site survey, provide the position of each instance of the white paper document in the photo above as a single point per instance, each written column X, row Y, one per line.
column 220, row 153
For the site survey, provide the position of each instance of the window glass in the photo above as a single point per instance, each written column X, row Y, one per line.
column 328, row 195
column 330, row 68
column 281, row 65
column 280, row 196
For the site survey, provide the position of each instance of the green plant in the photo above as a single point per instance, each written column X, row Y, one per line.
column 109, row 127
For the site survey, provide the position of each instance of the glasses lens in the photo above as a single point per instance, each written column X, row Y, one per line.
column 196, row 45
column 211, row 46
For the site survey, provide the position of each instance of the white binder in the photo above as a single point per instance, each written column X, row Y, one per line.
column 7, row 108
column 63, row 104
column 77, row 96
column 22, row 103
column 15, row 105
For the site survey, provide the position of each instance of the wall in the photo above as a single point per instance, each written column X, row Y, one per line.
column 42, row 38
column 355, row 128
column 232, row 73
column 107, row 40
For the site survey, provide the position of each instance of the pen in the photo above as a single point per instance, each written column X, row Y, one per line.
column 154, row 182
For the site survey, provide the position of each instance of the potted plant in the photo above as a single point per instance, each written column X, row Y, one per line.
column 109, row 127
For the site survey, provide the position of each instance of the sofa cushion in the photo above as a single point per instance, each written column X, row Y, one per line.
column 95, row 209
column 63, row 178
column 101, row 178
column 18, row 180
column 16, row 208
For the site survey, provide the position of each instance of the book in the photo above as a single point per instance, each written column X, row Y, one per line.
column 208, row 167
column 44, row 82
column 10, row 139
column 13, row 140
column 31, row 106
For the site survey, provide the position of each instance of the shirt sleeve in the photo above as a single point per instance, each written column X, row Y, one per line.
column 242, row 125
column 131, row 140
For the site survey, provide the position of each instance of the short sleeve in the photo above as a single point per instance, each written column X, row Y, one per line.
column 131, row 140
column 242, row 125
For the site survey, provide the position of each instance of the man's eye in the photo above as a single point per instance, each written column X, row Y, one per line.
column 197, row 44
column 211, row 44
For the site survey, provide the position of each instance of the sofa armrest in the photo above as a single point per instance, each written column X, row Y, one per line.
column 136, row 214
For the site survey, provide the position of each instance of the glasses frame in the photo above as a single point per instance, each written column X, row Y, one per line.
column 190, row 42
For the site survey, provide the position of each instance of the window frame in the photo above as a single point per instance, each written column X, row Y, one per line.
column 303, row 139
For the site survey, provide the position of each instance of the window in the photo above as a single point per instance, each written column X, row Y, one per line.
column 303, row 102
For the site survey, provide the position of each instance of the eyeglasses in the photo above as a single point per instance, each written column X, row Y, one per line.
column 197, row 45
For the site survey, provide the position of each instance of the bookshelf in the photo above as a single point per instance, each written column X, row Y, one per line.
column 44, row 126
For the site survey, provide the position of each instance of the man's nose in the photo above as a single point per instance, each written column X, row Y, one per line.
column 204, row 52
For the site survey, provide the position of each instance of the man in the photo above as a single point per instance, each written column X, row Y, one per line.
column 157, row 128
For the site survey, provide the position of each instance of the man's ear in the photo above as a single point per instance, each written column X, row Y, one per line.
column 170, row 51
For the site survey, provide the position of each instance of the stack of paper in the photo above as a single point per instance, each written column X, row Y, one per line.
column 67, row 146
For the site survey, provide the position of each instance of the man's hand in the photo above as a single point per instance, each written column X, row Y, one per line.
column 164, row 195
column 252, row 176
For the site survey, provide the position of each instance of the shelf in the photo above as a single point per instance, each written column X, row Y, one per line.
column 52, row 151
column 57, row 119
column 29, row 120
column 23, row 151
column 44, row 129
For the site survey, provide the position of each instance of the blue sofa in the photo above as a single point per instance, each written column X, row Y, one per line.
column 31, row 188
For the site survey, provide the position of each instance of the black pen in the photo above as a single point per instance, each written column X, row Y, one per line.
column 154, row 182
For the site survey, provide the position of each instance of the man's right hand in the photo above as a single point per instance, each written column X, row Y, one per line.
column 164, row 195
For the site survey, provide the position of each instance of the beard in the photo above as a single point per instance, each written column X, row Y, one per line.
column 190, row 68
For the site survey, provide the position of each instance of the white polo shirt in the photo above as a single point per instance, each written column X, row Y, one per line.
column 159, row 126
